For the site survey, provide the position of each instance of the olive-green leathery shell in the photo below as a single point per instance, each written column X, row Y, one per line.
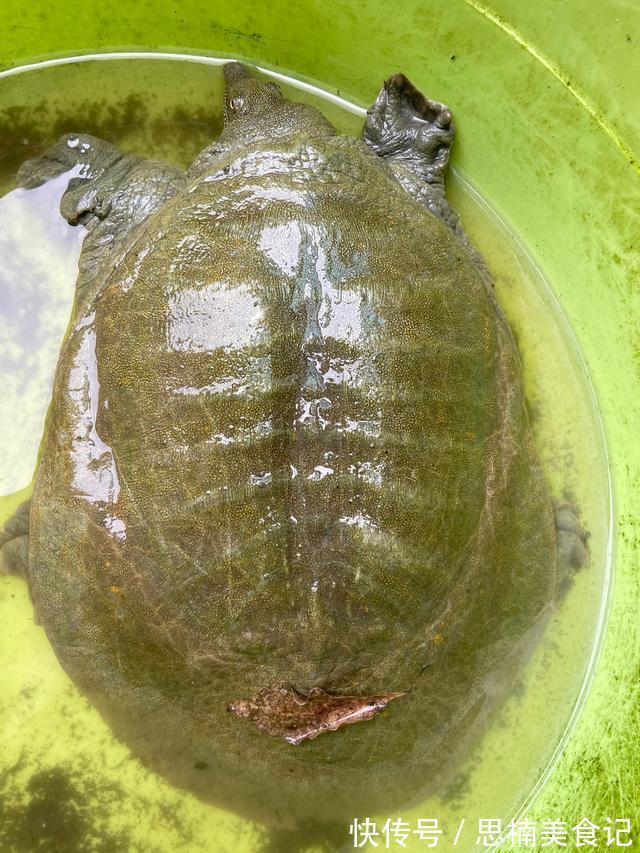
column 288, row 443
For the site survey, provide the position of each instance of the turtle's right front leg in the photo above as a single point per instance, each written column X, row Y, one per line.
column 109, row 192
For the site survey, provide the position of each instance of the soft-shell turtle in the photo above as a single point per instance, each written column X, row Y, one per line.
column 287, row 473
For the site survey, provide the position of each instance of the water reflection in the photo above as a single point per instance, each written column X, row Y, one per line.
column 39, row 255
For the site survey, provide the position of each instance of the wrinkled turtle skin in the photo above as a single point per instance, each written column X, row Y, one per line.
column 288, row 454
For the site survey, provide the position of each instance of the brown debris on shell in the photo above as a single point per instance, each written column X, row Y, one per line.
column 285, row 712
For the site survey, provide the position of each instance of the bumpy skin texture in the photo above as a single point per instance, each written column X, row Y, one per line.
column 288, row 443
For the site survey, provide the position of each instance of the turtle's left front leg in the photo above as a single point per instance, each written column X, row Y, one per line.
column 413, row 135
column 109, row 192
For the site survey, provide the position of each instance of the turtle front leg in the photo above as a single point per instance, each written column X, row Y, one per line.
column 109, row 192
column 413, row 135
column 14, row 543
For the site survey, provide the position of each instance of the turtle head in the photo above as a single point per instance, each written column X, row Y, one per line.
column 246, row 97
column 255, row 110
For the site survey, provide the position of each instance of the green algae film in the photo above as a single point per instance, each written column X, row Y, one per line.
column 56, row 742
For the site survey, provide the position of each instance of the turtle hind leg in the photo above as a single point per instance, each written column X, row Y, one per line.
column 14, row 543
column 14, row 548
column 572, row 541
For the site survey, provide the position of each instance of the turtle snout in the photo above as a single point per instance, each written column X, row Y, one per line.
column 234, row 72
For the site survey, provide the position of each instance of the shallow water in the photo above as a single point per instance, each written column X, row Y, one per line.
column 58, row 750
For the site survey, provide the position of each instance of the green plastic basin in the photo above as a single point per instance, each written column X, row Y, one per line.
column 549, row 132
